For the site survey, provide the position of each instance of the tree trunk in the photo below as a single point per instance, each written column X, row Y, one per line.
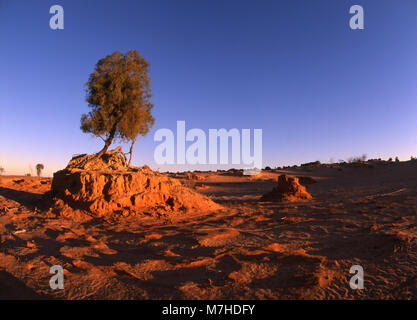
column 108, row 141
column 131, row 151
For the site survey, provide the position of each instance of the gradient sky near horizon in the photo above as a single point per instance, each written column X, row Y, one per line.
column 293, row 68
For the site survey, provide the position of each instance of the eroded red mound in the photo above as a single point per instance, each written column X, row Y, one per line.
column 109, row 187
column 288, row 189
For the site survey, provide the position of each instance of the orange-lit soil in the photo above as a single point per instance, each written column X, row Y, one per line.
column 247, row 250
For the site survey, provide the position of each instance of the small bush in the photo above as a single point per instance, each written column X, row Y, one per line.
column 312, row 164
column 361, row 158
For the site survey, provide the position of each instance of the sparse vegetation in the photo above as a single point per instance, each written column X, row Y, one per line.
column 311, row 164
column 361, row 158
column 118, row 92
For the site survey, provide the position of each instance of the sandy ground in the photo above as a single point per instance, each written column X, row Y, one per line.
column 250, row 250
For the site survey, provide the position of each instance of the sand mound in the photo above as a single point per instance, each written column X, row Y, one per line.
column 105, row 186
column 108, row 161
column 288, row 189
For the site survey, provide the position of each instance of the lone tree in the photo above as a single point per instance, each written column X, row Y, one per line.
column 118, row 93
column 1, row 170
column 39, row 168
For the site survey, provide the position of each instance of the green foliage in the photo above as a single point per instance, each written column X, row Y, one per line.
column 118, row 93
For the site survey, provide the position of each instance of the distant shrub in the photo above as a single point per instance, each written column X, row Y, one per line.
column 312, row 164
column 39, row 168
column 361, row 158
column 188, row 183
column 396, row 159
column 1, row 170
column 267, row 169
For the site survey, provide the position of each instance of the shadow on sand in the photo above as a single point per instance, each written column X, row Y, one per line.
column 27, row 199
column 12, row 288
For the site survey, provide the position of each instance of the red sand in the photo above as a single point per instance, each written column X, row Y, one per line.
column 250, row 250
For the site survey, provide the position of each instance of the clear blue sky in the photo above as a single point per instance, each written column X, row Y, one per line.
column 293, row 68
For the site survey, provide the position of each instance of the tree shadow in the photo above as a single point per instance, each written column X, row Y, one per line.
column 12, row 288
column 27, row 199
